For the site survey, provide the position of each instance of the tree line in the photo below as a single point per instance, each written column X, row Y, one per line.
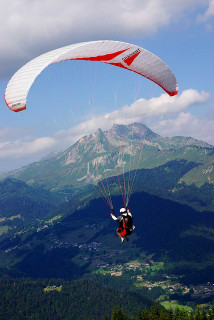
column 159, row 313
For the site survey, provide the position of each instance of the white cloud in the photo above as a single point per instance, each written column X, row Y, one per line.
column 209, row 13
column 165, row 104
column 22, row 148
column 33, row 27
column 139, row 111
column 187, row 124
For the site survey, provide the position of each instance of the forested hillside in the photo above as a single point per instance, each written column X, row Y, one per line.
column 64, row 300
column 51, row 227
column 58, row 299
column 73, row 245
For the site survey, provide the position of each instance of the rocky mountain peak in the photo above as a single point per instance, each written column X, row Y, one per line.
column 134, row 131
column 110, row 152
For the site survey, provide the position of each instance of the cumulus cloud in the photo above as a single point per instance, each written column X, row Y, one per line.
column 141, row 110
column 187, row 124
column 34, row 27
column 165, row 104
column 22, row 148
column 209, row 13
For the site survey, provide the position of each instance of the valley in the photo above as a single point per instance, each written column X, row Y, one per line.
column 52, row 228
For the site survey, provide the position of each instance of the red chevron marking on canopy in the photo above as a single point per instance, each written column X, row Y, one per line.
column 105, row 57
column 129, row 60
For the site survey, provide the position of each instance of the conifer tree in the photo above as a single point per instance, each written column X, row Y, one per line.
column 155, row 312
column 191, row 316
column 197, row 313
column 203, row 314
column 211, row 312
column 118, row 314
column 171, row 315
column 143, row 315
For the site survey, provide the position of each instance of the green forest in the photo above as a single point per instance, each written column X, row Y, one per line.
column 158, row 313
column 165, row 271
column 83, row 300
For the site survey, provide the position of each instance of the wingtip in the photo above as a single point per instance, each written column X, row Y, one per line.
column 172, row 93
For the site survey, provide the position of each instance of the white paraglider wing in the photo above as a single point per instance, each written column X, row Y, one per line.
column 116, row 53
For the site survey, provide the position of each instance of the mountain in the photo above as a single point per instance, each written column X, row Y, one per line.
column 53, row 223
column 22, row 205
column 133, row 158
column 83, row 241
column 114, row 152
column 178, row 168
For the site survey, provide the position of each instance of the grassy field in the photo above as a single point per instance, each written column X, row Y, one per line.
column 157, row 266
column 11, row 218
column 101, row 271
column 173, row 305
column 18, row 216
column 3, row 229
column 139, row 284
column 53, row 219
column 52, row 288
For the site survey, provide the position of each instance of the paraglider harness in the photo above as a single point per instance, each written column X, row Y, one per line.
column 125, row 225
column 125, row 221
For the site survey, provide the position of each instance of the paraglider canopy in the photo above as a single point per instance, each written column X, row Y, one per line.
column 116, row 53
column 120, row 54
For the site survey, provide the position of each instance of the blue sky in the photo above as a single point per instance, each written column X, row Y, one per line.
column 71, row 99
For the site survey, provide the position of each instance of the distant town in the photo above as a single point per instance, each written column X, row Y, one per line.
column 103, row 260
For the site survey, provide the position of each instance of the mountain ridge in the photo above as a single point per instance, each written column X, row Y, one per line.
column 105, row 154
